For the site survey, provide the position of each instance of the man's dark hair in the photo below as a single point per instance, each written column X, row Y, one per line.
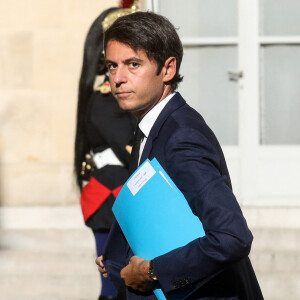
column 152, row 33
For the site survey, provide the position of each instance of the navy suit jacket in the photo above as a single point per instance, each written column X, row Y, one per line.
column 215, row 266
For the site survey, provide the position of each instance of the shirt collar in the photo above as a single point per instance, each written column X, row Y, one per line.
column 149, row 119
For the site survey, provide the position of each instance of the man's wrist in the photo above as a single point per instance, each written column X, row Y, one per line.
column 151, row 271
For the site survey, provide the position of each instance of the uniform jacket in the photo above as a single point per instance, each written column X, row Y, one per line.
column 106, row 126
column 215, row 266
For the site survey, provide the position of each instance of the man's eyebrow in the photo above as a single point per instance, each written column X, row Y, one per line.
column 126, row 61
column 107, row 61
column 130, row 59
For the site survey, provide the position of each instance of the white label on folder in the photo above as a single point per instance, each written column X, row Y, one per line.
column 140, row 177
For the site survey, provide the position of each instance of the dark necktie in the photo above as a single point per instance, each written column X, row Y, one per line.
column 133, row 164
column 134, row 158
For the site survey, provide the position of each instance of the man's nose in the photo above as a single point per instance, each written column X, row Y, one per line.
column 120, row 75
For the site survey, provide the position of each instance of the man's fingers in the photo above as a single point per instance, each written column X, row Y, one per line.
column 101, row 268
column 99, row 261
column 103, row 271
column 123, row 272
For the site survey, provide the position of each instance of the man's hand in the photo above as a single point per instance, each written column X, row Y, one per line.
column 136, row 274
column 99, row 262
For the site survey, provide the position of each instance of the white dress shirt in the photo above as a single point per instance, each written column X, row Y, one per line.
column 149, row 119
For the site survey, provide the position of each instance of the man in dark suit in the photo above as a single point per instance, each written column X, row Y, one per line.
column 143, row 55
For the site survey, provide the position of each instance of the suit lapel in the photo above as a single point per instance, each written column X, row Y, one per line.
column 176, row 102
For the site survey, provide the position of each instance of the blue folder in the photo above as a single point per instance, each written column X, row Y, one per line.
column 154, row 215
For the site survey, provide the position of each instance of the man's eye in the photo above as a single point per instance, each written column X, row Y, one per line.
column 111, row 66
column 134, row 65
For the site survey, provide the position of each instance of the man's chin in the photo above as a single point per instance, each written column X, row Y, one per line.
column 124, row 107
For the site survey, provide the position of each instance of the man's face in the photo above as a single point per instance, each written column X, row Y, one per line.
column 133, row 78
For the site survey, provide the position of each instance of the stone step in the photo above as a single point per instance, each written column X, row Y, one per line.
column 59, row 264
column 48, row 264
column 276, row 261
column 38, row 286
column 52, row 252
column 12, row 262
column 56, row 240
column 47, row 241
column 84, row 263
column 279, row 286
column 276, row 239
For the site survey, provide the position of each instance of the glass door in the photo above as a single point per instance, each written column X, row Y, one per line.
column 209, row 33
column 279, row 102
column 241, row 71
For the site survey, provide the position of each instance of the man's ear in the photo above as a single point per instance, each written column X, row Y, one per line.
column 169, row 69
